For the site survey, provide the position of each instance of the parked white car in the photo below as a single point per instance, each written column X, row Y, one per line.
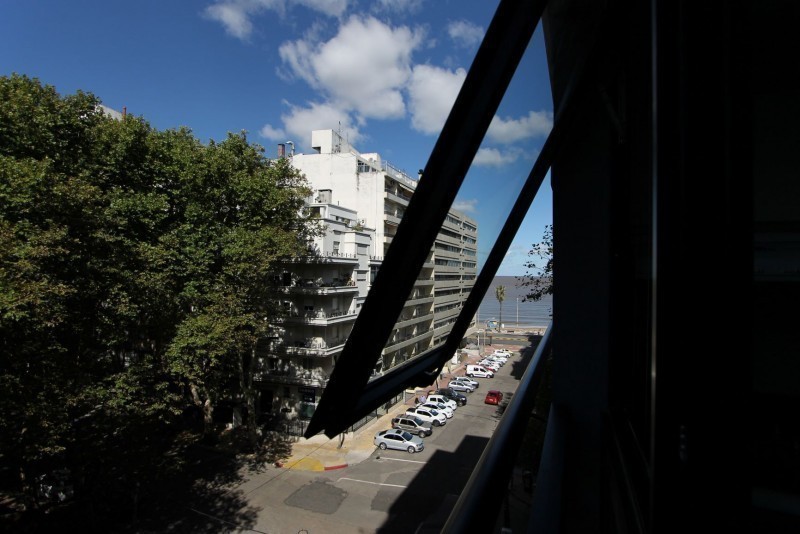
column 450, row 403
column 428, row 415
column 439, row 407
column 479, row 371
column 489, row 364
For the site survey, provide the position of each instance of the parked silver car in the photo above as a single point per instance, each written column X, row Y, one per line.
column 457, row 385
column 398, row 439
column 465, row 380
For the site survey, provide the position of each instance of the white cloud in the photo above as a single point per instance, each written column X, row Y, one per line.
column 333, row 8
column 465, row 33
column 432, row 92
column 299, row 122
column 363, row 68
column 399, row 6
column 535, row 124
column 466, row 206
column 273, row 134
column 492, row 157
column 236, row 15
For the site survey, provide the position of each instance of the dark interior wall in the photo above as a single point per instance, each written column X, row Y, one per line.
column 652, row 230
column 581, row 180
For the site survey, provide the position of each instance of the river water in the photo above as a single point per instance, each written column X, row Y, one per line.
column 515, row 310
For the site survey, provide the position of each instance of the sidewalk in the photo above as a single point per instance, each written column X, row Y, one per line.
column 320, row 453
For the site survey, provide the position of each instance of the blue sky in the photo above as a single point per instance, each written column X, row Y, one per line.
column 385, row 72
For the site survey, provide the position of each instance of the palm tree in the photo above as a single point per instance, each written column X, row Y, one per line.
column 500, row 293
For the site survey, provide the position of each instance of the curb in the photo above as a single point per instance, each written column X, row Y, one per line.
column 332, row 467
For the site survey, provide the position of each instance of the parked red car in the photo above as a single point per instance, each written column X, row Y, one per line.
column 493, row 397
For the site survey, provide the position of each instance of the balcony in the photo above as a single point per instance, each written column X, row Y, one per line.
column 321, row 317
column 392, row 217
column 308, row 347
column 310, row 287
column 400, row 342
column 420, row 299
column 409, row 319
column 394, row 197
column 293, row 375
column 328, row 257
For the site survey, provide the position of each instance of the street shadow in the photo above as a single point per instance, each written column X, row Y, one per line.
column 198, row 494
column 526, row 355
column 431, row 495
column 202, row 500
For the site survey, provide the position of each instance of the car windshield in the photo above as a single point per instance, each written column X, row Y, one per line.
column 406, row 436
column 418, row 421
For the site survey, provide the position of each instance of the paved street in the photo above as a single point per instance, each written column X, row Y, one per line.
column 359, row 488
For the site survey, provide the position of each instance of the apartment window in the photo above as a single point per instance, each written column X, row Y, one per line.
column 450, row 233
column 336, row 247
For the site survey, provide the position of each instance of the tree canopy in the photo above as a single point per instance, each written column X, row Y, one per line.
column 135, row 274
column 539, row 278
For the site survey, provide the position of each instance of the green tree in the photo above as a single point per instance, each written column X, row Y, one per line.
column 134, row 281
column 539, row 279
column 243, row 216
column 500, row 294
column 78, row 345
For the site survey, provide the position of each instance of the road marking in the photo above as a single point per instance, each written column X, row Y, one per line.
column 401, row 460
column 369, row 482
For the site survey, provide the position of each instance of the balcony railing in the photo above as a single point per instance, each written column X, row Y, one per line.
column 319, row 315
column 294, row 376
column 496, row 464
column 308, row 347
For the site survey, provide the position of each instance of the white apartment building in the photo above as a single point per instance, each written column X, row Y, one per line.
column 360, row 200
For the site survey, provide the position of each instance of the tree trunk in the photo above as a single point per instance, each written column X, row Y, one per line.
column 247, row 364
column 206, row 406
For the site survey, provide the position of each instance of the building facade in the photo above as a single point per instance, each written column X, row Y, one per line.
column 360, row 200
